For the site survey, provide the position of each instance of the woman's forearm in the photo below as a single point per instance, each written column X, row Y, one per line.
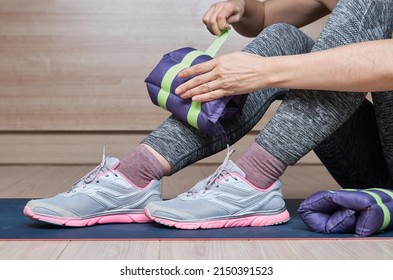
column 252, row 21
column 361, row 67
column 260, row 14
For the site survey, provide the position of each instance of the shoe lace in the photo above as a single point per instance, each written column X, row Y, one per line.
column 211, row 181
column 93, row 174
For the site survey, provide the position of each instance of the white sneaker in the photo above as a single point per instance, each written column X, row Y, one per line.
column 225, row 199
column 103, row 196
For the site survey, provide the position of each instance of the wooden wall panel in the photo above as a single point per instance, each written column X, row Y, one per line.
column 86, row 148
column 72, row 73
column 80, row 65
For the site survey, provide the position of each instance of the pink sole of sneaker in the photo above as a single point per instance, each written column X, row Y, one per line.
column 72, row 222
column 252, row 221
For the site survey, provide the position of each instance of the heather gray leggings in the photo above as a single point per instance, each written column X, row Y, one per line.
column 351, row 136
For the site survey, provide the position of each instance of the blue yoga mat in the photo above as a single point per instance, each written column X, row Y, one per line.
column 14, row 225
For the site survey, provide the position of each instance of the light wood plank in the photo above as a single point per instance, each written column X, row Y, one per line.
column 111, row 250
column 16, row 176
column 39, row 181
column 81, row 65
column 68, row 148
column 86, row 148
column 370, row 249
column 278, row 250
column 72, row 65
column 47, row 181
column 300, row 182
column 31, row 250
column 208, row 250
column 338, row 249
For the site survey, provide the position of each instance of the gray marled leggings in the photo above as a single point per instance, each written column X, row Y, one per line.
column 342, row 128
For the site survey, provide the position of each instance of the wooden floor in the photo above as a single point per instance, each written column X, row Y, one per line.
column 25, row 181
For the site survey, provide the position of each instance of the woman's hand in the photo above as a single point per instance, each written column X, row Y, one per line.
column 231, row 74
column 220, row 15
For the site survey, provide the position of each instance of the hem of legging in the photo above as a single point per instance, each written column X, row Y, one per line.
column 266, row 147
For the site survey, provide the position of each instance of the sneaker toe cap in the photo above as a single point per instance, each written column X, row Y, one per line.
column 42, row 208
column 161, row 209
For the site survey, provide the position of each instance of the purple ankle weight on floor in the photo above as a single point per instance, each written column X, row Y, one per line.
column 363, row 212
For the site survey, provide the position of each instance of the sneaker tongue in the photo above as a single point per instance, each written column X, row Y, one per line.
column 233, row 168
column 230, row 166
column 111, row 162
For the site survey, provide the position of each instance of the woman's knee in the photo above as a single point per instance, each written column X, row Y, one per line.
column 356, row 21
column 281, row 29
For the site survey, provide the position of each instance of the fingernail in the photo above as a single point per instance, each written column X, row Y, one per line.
column 180, row 74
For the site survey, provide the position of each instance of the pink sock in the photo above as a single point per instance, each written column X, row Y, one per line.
column 140, row 166
column 262, row 168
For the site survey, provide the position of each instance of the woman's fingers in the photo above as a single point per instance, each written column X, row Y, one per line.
column 216, row 18
column 195, row 86
column 203, row 73
column 231, row 74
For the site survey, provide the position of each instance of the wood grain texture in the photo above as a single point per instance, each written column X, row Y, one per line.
column 86, row 148
column 27, row 181
column 81, row 65
column 208, row 250
column 31, row 250
column 72, row 74
column 198, row 250
column 112, row 250
column 75, row 65
column 325, row 249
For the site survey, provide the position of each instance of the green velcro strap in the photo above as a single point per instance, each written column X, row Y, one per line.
column 193, row 113
column 385, row 210
column 216, row 45
column 388, row 192
column 170, row 75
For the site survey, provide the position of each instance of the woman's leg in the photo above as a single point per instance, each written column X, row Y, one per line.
column 353, row 154
column 383, row 105
column 359, row 154
column 181, row 145
column 306, row 118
